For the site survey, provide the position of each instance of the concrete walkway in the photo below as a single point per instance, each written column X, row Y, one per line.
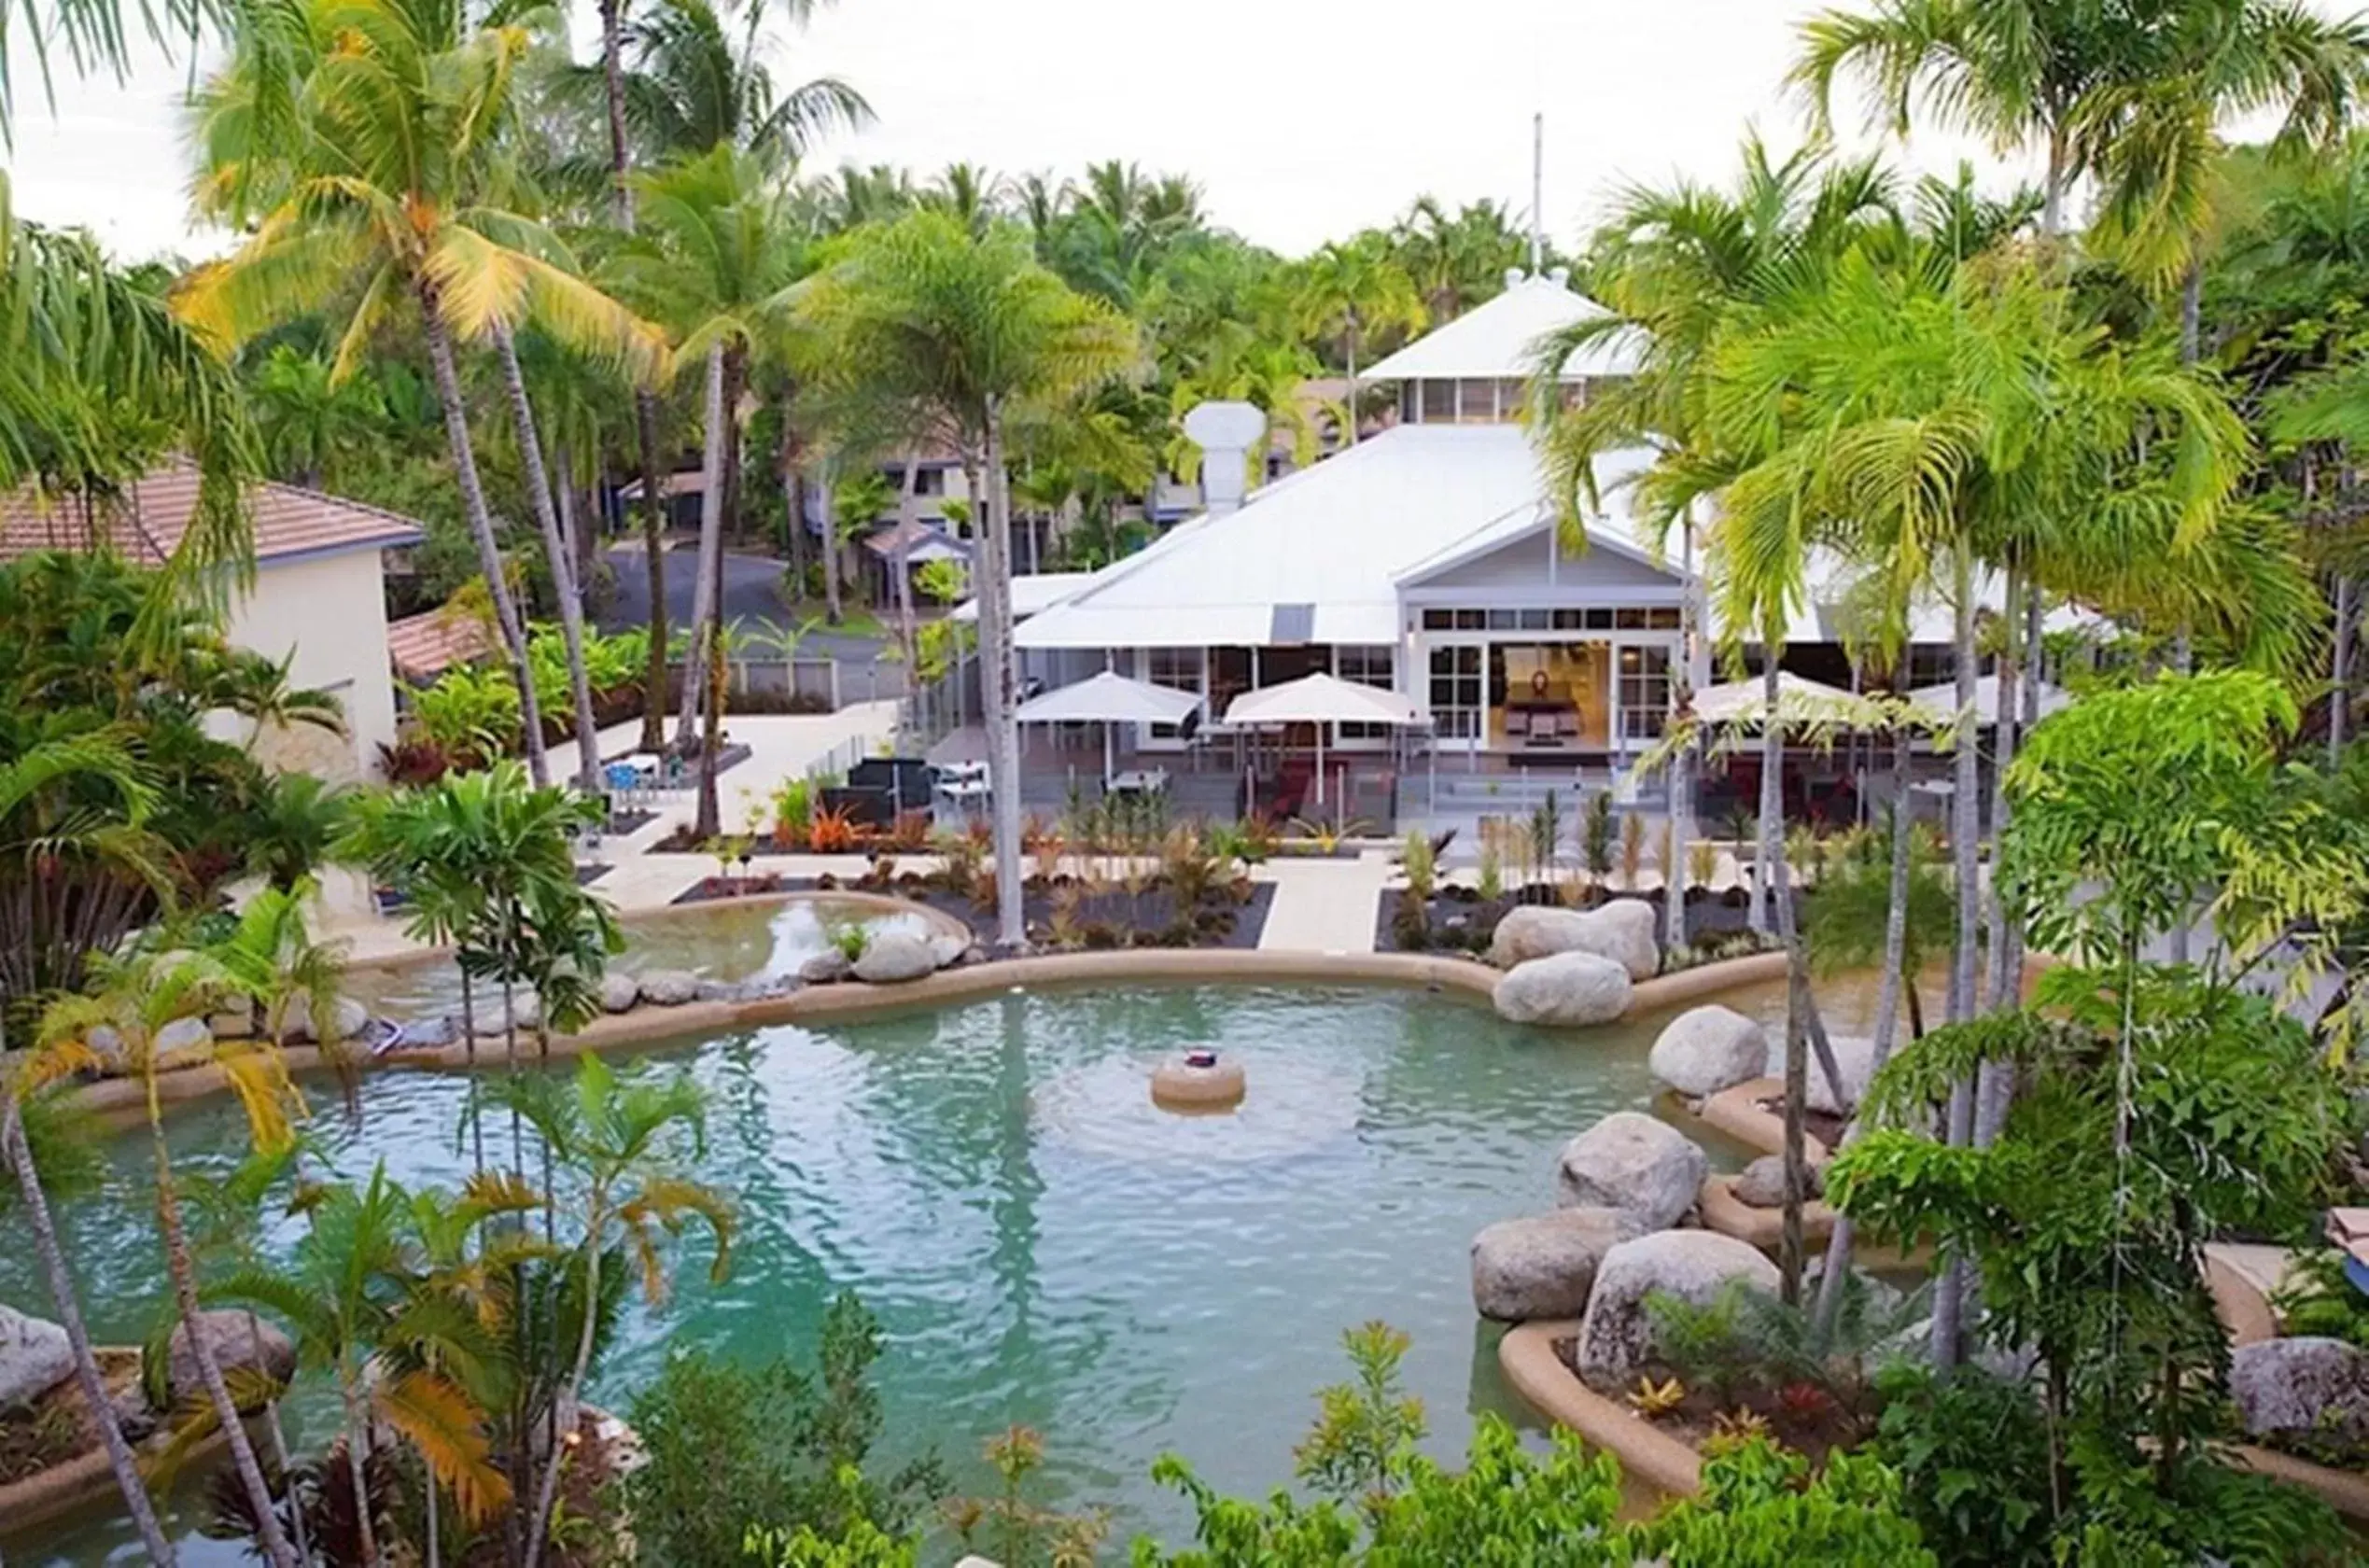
column 1324, row 907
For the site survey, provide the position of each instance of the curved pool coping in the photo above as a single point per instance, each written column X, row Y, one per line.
column 649, row 1025
column 1527, row 1356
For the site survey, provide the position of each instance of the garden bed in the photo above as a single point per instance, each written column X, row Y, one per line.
column 1457, row 918
column 1068, row 913
column 1804, row 1418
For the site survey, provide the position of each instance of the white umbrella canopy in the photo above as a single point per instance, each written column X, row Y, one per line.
column 1109, row 698
column 1746, row 701
column 1322, row 699
column 1943, row 699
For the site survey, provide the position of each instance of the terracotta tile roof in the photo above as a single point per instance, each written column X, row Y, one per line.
column 146, row 522
column 423, row 647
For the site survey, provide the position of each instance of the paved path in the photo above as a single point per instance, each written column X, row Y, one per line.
column 1324, row 907
column 752, row 592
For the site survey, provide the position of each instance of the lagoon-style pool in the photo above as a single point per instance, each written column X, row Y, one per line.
column 1041, row 1244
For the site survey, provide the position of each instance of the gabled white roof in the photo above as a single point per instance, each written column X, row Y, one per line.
column 1315, row 557
column 1496, row 339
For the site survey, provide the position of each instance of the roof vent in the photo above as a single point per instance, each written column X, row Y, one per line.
column 1514, row 276
column 1224, row 433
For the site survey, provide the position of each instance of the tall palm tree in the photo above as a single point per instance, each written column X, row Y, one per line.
column 719, row 248
column 690, row 87
column 929, row 314
column 1352, row 290
column 135, row 998
column 613, row 1140
column 375, row 195
column 1457, row 261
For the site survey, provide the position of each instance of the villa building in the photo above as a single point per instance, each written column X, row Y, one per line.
column 1427, row 559
column 318, row 602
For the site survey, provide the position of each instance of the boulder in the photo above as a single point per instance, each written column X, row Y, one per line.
column 233, row 1020
column 947, row 950
column 1624, row 930
column 1762, row 1185
column 1615, row 1336
column 494, row 1024
column 1853, row 1058
column 1569, row 990
column 618, row 992
column 2305, row 1386
column 826, row 968
column 239, row 1342
column 894, row 956
column 1707, row 1049
column 107, row 1045
column 1542, row 1265
column 34, row 1357
column 347, row 1019
column 669, row 987
column 1646, row 1169
column 184, row 1043
column 757, row 987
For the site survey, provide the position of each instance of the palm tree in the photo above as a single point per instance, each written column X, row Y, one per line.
column 135, row 998
column 376, row 194
column 1352, row 290
column 691, row 89
column 1457, row 262
column 717, row 253
column 925, row 314
column 612, row 1140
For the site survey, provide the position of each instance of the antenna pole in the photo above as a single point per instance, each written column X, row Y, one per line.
column 1537, row 193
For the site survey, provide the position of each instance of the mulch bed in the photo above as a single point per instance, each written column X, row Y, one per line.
column 583, row 1485
column 56, row 1426
column 1459, row 919
column 588, row 875
column 1106, row 921
column 1804, row 1418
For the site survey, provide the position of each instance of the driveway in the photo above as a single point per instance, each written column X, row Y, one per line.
column 752, row 592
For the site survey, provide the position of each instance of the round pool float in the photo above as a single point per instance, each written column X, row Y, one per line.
column 1198, row 1079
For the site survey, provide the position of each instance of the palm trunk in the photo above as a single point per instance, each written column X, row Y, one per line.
column 832, row 610
column 654, row 546
column 183, row 1274
column 1965, row 997
column 907, row 635
column 709, row 823
column 563, row 567
column 711, row 549
column 358, row 1438
column 1765, row 852
column 435, row 1534
column 1673, row 878
column 999, row 682
column 1891, row 984
column 468, row 1046
column 278, row 1434
column 549, row 1490
column 2340, row 673
column 481, row 524
column 1997, row 1083
column 1351, row 344
column 18, row 1151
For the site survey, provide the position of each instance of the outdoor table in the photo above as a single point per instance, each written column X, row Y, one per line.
column 1140, row 781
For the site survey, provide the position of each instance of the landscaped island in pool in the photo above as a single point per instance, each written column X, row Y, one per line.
column 1042, row 1244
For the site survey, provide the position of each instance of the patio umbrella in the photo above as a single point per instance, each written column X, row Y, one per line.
column 1746, row 701
column 1107, row 699
column 1321, row 700
column 1943, row 699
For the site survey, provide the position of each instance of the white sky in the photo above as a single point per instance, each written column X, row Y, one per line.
column 1301, row 119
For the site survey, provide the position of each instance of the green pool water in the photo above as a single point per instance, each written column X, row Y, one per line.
column 1042, row 1245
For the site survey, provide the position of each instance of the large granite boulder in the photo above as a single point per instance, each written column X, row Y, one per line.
column 232, row 1019
column 618, row 992
column 107, row 1044
column 948, row 949
column 1569, row 990
column 2302, row 1387
column 894, row 956
column 184, row 1043
column 345, row 1020
column 1761, row 1183
column 240, row 1342
column 525, row 1012
column 669, row 987
column 34, row 1357
column 826, row 968
column 1624, row 930
column 1616, row 1336
column 1707, row 1049
column 1542, row 1265
column 1644, row 1168
column 1854, row 1058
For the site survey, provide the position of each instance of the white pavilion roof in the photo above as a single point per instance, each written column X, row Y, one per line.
column 1496, row 339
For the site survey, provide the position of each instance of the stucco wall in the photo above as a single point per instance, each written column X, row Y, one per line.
column 329, row 612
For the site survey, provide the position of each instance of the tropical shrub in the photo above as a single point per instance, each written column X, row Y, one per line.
column 470, row 713
column 777, row 1449
column 2317, row 1298
column 1421, row 865
column 1972, row 1457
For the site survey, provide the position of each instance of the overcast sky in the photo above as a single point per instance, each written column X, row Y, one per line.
column 1302, row 120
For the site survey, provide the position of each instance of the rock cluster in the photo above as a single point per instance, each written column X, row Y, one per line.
column 1567, row 990
column 1617, row 1334
column 1625, row 931
column 1635, row 1164
column 1707, row 1049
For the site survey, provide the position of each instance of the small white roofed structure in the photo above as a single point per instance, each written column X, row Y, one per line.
column 1499, row 338
column 1798, row 701
column 1322, row 699
column 1108, row 699
column 1943, row 699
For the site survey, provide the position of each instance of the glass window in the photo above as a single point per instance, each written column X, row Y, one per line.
column 1535, row 620
column 1504, row 620
column 1599, row 620
column 1644, row 692
column 1367, row 663
column 1409, row 403
column 1930, row 665
column 1438, row 619
column 1471, row 621
column 1664, row 619
column 1179, row 670
column 1476, row 402
column 1630, row 620
column 1439, row 402
column 1568, row 620
column 1455, row 692
column 1510, row 396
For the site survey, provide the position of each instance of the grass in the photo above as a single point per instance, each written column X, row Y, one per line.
column 855, row 620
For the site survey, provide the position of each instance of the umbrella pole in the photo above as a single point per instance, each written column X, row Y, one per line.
column 1320, row 768
column 1107, row 727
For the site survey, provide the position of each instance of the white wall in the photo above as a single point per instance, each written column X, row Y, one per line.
column 329, row 612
